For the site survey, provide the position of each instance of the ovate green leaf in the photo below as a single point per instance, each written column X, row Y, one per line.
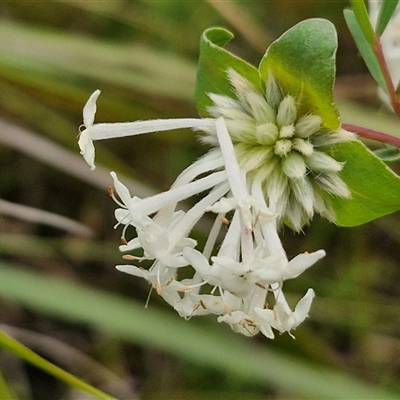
column 374, row 187
column 213, row 64
column 303, row 61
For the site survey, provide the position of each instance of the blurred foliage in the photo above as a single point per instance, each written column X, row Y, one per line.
column 142, row 55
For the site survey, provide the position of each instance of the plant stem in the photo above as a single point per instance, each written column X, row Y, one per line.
column 373, row 135
column 394, row 98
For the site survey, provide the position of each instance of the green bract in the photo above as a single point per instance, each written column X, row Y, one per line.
column 303, row 62
column 213, row 64
column 375, row 188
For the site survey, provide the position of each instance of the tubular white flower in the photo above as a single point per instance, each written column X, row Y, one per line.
column 282, row 318
column 115, row 130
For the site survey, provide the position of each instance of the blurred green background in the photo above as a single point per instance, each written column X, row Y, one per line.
column 59, row 292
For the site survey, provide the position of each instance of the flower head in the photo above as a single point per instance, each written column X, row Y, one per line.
column 284, row 149
column 268, row 165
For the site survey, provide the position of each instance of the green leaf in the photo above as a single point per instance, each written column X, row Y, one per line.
column 365, row 49
column 385, row 13
column 213, row 345
column 375, row 188
column 388, row 153
column 362, row 18
column 303, row 61
column 213, row 64
column 21, row 351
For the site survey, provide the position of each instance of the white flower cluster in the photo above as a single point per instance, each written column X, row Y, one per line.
column 282, row 149
column 267, row 164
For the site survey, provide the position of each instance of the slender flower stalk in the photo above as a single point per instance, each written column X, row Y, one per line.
column 268, row 164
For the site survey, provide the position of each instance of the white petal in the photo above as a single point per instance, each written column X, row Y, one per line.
column 136, row 271
column 87, row 149
column 239, row 322
column 173, row 260
column 223, row 205
column 265, row 320
column 198, row 261
column 232, row 266
column 303, row 308
column 267, row 270
column 89, row 111
column 155, row 244
column 301, row 262
column 266, row 330
column 133, row 244
column 85, row 142
column 121, row 189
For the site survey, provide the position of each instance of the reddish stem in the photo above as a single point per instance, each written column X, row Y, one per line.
column 373, row 135
column 394, row 98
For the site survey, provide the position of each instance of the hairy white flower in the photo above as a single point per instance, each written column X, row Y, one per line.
column 268, row 164
column 285, row 148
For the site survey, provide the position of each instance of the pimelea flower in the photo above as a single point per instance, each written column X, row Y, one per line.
column 267, row 164
column 283, row 150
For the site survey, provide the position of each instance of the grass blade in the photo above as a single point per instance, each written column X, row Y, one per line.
column 21, row 351
column 204, row 344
